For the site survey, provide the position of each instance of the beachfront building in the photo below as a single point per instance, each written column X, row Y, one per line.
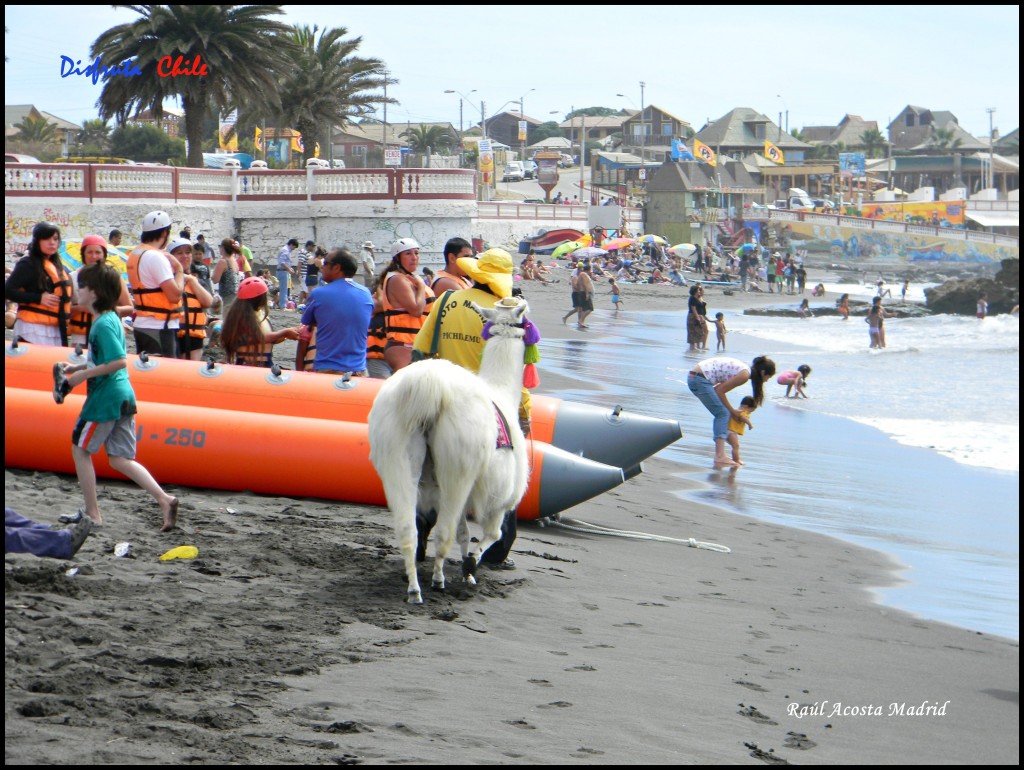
column 649, row 133
column 743, row 131
column 921, row 131
column 606, row 129
column 845, row 136
column 504, row 127
column 692, row 202
column 65, row 133
column 361, row 145
column 171, row 121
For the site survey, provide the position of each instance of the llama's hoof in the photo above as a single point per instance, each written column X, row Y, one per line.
column 415, row 597
column 437, row 585
column 470, row 580
column 469, row 566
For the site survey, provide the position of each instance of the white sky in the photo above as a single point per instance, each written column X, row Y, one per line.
column 698, row 62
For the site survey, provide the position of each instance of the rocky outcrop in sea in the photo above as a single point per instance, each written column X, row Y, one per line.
column 960, row 296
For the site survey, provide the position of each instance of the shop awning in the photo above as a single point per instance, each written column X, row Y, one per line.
column 994, row 218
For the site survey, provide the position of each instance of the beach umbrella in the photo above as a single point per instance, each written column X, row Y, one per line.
column 71, row 255
column 588, row 252
column 617, row 243
column 683, row 249
column 653, row 239
column 565, row 249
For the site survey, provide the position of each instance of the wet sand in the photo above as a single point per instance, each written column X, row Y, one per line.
column 288, row 640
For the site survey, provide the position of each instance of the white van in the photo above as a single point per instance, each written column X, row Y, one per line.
column 514, row 171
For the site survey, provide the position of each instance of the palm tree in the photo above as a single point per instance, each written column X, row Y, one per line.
column 94, row 133
column 945, row 139
column 36, row 129
column 873, row 141
column 243, row 50
column 324, row 84
column 423, row 138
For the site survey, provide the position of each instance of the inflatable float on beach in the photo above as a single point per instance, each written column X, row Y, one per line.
column 299, row 434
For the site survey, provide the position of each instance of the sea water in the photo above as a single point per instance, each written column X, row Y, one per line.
column 912, row 450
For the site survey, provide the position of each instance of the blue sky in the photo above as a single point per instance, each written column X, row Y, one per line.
column 817, row 63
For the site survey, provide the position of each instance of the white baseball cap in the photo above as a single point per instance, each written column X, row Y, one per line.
column 403, row 244
column 155, row 220
column 177, row 243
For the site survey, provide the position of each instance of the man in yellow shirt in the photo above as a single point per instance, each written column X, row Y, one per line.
column 458, row 328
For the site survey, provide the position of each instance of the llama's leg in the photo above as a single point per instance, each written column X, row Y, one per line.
column 401, row 481
column 468, row 561
column 452, row 503
column 491, row 524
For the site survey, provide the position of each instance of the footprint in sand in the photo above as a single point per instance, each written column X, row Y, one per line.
column 540, row 682
column 583, row 667
column 558, row 704
column 750, row 685
column 557, row 652
column 798, row 741
column 520, row 723
column 573, row 630
column 583, row 750
column 629, row 624
column 751, row 712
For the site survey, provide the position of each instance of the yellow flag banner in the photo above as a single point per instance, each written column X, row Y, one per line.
column 226, row 127
column 773, row 153
column 704, row 153
column 258, row 140
column 296, row 144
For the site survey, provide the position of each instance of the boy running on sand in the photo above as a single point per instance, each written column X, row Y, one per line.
column 108, row 414
column 616, row 294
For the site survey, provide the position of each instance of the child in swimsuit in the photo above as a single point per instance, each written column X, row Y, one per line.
column 737, row 428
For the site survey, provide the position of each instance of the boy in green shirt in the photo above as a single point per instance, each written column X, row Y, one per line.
column 108, row 415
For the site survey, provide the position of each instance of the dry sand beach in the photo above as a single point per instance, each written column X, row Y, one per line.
column 288, row 640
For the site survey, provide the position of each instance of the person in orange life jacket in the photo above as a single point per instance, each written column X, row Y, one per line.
column 453, row 277
column 247, row 336
column 94, row 249
column 406, row 300
column 157, row 282
column 41, row 285
column 195, row 300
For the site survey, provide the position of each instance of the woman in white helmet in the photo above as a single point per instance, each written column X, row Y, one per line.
column 406, row 301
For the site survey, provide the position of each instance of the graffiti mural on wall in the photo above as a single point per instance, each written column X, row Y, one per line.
column 18, row 229
column 860, row 244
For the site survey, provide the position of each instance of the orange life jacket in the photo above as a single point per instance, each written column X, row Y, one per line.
column 461, row 280
column 376, row 338
column 56, row 283
column 149, row 301
column 398, row 324
column 191, row 317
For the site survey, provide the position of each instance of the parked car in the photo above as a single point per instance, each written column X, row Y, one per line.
column 565, row 161
column 530, row 167
column 13, row 157
column 514, row 172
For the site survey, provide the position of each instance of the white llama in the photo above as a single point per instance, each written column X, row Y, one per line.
column 434, row 440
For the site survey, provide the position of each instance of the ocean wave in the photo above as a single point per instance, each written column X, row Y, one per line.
column 969, row 443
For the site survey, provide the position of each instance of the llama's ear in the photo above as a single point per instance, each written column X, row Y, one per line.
column 521, row 311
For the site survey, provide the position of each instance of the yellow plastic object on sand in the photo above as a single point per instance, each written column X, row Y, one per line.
column 181, row 552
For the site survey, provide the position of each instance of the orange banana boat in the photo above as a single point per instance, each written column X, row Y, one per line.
column 605, row 435
column 228, row 449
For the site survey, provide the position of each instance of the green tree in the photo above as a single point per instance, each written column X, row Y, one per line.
column 146, row 143
column 546, row 131
column 325, row 84
column 242, row 48
column 591, row 112
column 945, row 139
column 93, row 139
column 423, row 137
column 873, row 142
column 36, row 129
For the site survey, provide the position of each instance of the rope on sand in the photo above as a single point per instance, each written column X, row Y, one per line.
column 585, row 527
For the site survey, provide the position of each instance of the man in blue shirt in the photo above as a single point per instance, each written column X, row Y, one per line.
column 285, row 270
column 340, row 313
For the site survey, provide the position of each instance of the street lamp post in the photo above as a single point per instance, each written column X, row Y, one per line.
column 786, row 107
column 522, row 117
column 991, row 149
